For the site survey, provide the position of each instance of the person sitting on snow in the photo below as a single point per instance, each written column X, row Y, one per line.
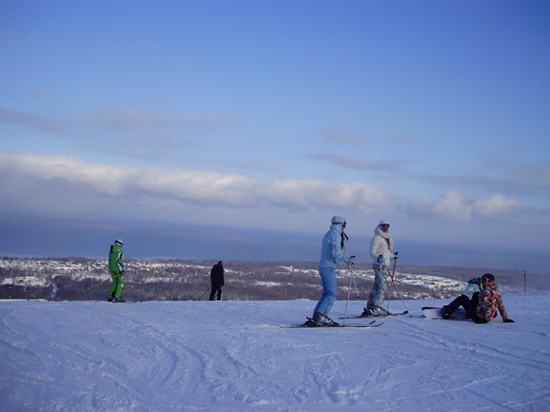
column 484, row 304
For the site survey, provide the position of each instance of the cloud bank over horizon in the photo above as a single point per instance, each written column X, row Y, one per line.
column 69, row 175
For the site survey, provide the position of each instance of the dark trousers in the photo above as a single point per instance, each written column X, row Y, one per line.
column 216, row 287
column 469, row 306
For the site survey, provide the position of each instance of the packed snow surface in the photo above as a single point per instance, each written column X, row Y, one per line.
column 234, row 356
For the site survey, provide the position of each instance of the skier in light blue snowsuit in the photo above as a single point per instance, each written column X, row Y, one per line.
column 331, row 254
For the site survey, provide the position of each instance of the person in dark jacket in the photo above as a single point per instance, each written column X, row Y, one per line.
column 484, row 304
column 217, row 279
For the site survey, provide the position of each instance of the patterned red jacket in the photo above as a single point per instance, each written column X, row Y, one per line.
column 489, row 301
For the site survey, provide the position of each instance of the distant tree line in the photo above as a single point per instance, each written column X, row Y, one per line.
column 178, row 279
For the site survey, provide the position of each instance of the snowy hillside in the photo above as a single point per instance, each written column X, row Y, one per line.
column 233, row 356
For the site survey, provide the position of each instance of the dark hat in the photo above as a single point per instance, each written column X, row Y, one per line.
column 489, row 276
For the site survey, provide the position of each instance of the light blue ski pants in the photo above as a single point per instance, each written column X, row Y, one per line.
column 376, row 297
column 330, row 289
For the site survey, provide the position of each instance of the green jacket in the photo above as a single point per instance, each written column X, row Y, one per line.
column 116, row 256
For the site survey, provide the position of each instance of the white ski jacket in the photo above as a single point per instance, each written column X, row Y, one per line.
column 382, row 244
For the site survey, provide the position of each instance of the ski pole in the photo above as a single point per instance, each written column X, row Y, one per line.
column 97, row 287
column 392, row 276
column 96, row 290
column 351, row 262
column 402, row 300
column 393, row 283
column 205, row 292
column 356, row 288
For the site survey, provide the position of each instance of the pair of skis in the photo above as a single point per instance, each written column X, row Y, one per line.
column 405, row 312
column 372, row 324
column 310, row 324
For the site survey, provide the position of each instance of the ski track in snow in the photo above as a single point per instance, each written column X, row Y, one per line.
column 233, row 356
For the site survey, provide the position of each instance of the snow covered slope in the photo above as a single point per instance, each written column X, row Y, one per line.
column 233, row 356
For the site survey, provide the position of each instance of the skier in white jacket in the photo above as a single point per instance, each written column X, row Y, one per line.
column 381, row 252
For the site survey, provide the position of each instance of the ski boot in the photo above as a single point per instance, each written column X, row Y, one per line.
column 374, row 312
column 322, row 320
column 445, row 313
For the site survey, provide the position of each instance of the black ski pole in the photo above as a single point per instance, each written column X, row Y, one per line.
column 205, row 292
column 351, row 264
column 393, row 283
column 392, row 276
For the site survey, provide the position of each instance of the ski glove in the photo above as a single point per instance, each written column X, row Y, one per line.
column 508, row 321
column 381, row 260
column 475, row 281
column 395, row 255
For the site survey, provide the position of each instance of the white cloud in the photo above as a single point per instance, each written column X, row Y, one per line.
column 497, row 206
column 201, row 188
column 455, row 206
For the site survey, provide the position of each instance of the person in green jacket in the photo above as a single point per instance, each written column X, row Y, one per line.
column 116, row 266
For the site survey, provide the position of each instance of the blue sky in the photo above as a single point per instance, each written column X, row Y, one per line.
column 277, row 115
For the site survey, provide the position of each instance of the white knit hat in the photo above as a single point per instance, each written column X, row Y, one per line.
column 338, row 220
